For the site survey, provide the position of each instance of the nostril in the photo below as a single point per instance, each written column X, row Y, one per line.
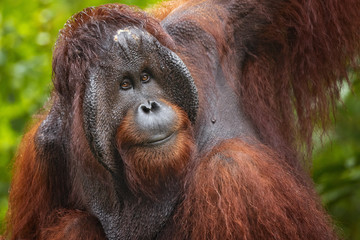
column 145, row 108
column 154, row 106
column 150, row 106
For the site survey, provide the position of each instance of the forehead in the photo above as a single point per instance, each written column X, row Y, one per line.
column 130, row 49
column 132, row 44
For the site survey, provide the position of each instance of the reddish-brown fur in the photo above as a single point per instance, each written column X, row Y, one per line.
column 302, row 59
column 73, row 225
column 29, row 201
column 247, row 193
column 236, row 190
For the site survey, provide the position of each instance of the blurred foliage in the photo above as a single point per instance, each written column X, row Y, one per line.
column 336, row 165
column 28, row 30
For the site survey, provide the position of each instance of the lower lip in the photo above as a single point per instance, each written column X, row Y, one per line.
column 161, row 141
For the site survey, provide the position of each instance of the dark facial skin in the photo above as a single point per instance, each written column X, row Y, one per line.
column 137, row 83
column 130, row 77
column 136, row 79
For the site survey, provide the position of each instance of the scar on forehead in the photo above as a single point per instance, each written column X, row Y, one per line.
column 127, row 31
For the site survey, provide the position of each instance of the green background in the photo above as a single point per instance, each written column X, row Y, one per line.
column 28, row 30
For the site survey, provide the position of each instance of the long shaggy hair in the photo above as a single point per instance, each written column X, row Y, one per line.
column 285, row 60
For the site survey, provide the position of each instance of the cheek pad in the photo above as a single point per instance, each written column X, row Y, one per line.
column 178, row 82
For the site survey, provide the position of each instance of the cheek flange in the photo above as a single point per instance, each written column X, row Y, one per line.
column 99, row 123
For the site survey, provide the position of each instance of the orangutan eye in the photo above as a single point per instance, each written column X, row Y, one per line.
column 145, row 77
column 125, row 84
